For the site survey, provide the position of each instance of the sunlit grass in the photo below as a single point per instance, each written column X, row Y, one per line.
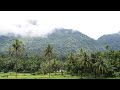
column 12, row 75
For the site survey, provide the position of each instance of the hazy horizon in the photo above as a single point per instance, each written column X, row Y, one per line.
column 38, row 23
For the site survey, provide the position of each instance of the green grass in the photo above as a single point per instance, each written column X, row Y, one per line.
column 12, row 75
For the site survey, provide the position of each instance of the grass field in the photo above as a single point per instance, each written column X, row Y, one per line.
column 12, row 75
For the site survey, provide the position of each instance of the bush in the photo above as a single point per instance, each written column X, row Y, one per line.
column 116, row 74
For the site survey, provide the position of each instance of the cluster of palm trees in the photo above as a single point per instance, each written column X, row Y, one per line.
column 98, row 64
column 18, row 48
column 83, row 64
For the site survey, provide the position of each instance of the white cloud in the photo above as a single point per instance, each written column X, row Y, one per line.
column 91, row 23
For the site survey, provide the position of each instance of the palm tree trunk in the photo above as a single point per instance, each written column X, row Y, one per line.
column 95, row 74
column 16, row 62
column 16, row 68
column 16, row 74
column 49, row 68
column 81, row 75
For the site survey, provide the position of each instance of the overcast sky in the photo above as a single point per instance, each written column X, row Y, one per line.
column 91, row 23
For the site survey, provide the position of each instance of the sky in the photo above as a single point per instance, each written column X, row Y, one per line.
column 38, row 23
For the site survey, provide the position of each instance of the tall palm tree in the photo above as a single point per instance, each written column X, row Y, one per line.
column 71, row 59
column 71, row 63
column 100, row 67
column 80, row 54
column 48, row 53
column 17, row 49
column 85, row 63
column 93, row 58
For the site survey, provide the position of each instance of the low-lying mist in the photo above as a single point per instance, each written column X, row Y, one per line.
column 29, row 28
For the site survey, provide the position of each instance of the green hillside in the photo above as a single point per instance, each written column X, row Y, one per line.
column 64, row 41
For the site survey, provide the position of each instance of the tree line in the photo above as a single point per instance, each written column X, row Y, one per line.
column 96, row 64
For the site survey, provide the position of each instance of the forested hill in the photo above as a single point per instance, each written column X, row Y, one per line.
column 64, row 41
column 113, row 40
column 6, row 41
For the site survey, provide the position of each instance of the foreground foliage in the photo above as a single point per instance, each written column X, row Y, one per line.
column 81, row 64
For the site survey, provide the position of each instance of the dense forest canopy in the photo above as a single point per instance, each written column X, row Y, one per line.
column 63, row 40
column 70, row 51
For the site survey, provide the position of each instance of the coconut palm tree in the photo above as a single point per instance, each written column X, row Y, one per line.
column 17, row 49
column 48, row 54
column 71, row 59
column 100, row 67
column 71, row 63
column 85, row 63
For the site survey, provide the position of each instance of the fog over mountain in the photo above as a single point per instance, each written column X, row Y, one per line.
column 39, row 23
column 63, row 40
column 28, row 28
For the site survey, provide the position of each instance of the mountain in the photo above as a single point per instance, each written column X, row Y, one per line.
column 5, row 41
column 64, row 42
column 113, row 40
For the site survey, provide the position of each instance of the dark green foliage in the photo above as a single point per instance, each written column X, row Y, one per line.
column 63, row 41
column 49, row 55
column 113, row 40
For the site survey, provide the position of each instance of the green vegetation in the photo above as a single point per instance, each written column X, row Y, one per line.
column 113, row 40
column 48, row 53
column 12, row 75
column 50, row 64
column 64, row 41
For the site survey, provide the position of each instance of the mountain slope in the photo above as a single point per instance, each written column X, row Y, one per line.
column 113, row 40
column 64, row 41
column 5, row 41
